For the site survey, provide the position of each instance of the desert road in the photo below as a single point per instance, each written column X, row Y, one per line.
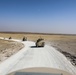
column 31, row 56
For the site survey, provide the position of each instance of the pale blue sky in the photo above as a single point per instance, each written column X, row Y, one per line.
column 45, row 16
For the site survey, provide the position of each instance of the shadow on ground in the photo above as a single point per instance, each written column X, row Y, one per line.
column 35, row 47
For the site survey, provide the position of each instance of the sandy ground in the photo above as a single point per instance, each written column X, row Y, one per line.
column 66, row 44
column 36, row 57
column 8, row 48
column 34, row 37
column 68, row 48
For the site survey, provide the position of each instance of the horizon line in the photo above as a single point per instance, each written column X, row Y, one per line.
column 14, row 32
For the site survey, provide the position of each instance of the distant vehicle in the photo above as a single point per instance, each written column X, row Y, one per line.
column 10, row 37
column 40, row 42
column 24, row 38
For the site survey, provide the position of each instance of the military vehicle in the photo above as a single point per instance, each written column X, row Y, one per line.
column 39, row 71
column 24, row 38
column 40, row 42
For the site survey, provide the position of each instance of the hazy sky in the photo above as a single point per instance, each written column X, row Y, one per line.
column 48, row 16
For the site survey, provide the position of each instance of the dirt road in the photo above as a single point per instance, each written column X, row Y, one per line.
column 36, row 57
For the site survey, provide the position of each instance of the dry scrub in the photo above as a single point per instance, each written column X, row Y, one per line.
column 8, row 48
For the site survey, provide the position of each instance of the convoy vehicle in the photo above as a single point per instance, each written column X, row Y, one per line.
column 40, row 42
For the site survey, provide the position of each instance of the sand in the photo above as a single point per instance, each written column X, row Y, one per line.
column 8, row 48
column 68, row 48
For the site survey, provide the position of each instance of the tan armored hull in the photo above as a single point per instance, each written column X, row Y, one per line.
column 40, row 43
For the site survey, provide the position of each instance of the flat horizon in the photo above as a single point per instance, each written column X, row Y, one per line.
column 35, row 33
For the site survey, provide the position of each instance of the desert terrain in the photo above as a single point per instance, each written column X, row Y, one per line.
column 66, row 44
column 8, row 48
column 63, row 45
column 66, row 47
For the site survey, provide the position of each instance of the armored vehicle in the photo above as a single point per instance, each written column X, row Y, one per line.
column 40, row 42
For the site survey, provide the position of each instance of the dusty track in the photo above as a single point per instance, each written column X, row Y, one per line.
column 36, row 57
